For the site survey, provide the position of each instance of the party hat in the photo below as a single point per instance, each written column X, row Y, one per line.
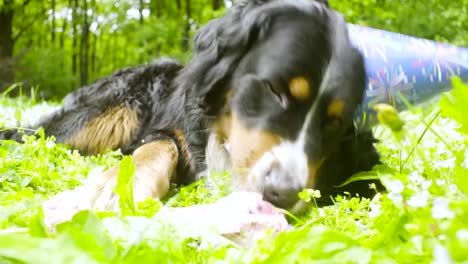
column 403, row 68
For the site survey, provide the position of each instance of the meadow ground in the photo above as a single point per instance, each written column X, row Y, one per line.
column 422, row 219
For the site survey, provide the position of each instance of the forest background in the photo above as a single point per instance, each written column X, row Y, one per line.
column 57, row 46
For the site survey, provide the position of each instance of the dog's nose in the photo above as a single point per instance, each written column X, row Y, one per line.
column 280, row 195
column 281, row 174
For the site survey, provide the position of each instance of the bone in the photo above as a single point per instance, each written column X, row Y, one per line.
column 241, row 216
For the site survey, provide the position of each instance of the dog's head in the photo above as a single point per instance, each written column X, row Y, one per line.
column 289, row 81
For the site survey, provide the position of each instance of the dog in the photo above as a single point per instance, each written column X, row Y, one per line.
column 269, row 95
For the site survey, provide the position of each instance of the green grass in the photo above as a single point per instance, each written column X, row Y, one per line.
column 423, row 218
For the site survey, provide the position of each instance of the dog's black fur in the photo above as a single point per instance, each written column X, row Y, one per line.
column 257, row 42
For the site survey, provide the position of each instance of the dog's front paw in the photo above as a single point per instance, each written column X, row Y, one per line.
column 96, row 194
column 63, row 206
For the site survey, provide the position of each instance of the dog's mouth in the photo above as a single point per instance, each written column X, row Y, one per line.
column 278, row 175
column 261, row 162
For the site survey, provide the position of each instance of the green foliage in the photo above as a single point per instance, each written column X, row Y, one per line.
column 433, row 19
column 118, row 38
column 454, row 104
column 422, row 218
column 60, row 47
column 125, row 186
column 44, row 67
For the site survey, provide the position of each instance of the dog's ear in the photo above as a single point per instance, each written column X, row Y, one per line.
column 219, row 46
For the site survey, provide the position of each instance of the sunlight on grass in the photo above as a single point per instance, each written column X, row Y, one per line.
column 422, row 218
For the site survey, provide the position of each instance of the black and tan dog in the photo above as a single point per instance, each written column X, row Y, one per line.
column 270, row 95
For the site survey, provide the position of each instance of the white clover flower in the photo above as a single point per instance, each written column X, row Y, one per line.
column 426, row 184
column 50, row 144
column 418, row 200
column 362, row 227
column 430, row 144
column 441, row 151
column 416, row 178
column 321, row 212
column 465, row 161
column 396, row 186
column 462, row 235
column 442, row 237
column 453, row 188
column 375, row 210
column 441, row 255
column 453, row 134
column 448, row 163
column 440, row 182
column 440, row 209
column 396, row 197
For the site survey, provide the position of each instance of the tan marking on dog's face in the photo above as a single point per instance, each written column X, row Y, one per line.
column 335, row 109
column 222, row 126
column 247, row 147
column 299, row 88
column 111, row 130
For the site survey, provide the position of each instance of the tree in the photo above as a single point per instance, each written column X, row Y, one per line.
column 216, row 4
column 7, row 43
column 84, row 45
column 60, row 45
column 186, row 33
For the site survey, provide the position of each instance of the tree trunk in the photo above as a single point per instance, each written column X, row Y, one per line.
column 75, row 37
column 52, row 30
column 185, row 43
column 114, row 49
column 84, row 46
column 141, row 7
column 6, row 45
column 64, row 28
column 216, row 4
column 93, row 53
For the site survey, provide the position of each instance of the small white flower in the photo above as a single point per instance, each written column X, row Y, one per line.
column 453, row 134
column 416, row 178
column 440, row 182
column 374, row 210
column 440, row 209
column 321, row 212
column 442, row 237
column 448, row 163
column 396, row 197
column 418, row 200
column 441, row 255
column 362, row 227
column 465, row 161
column 426, row 184
column 396, row 186
column 50, row 144
column 453, row 188
column 462, row 235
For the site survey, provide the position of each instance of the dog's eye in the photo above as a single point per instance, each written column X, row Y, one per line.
column 281, row 98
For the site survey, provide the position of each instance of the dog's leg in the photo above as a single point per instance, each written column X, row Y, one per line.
column 89, row 129
column 155, row 165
